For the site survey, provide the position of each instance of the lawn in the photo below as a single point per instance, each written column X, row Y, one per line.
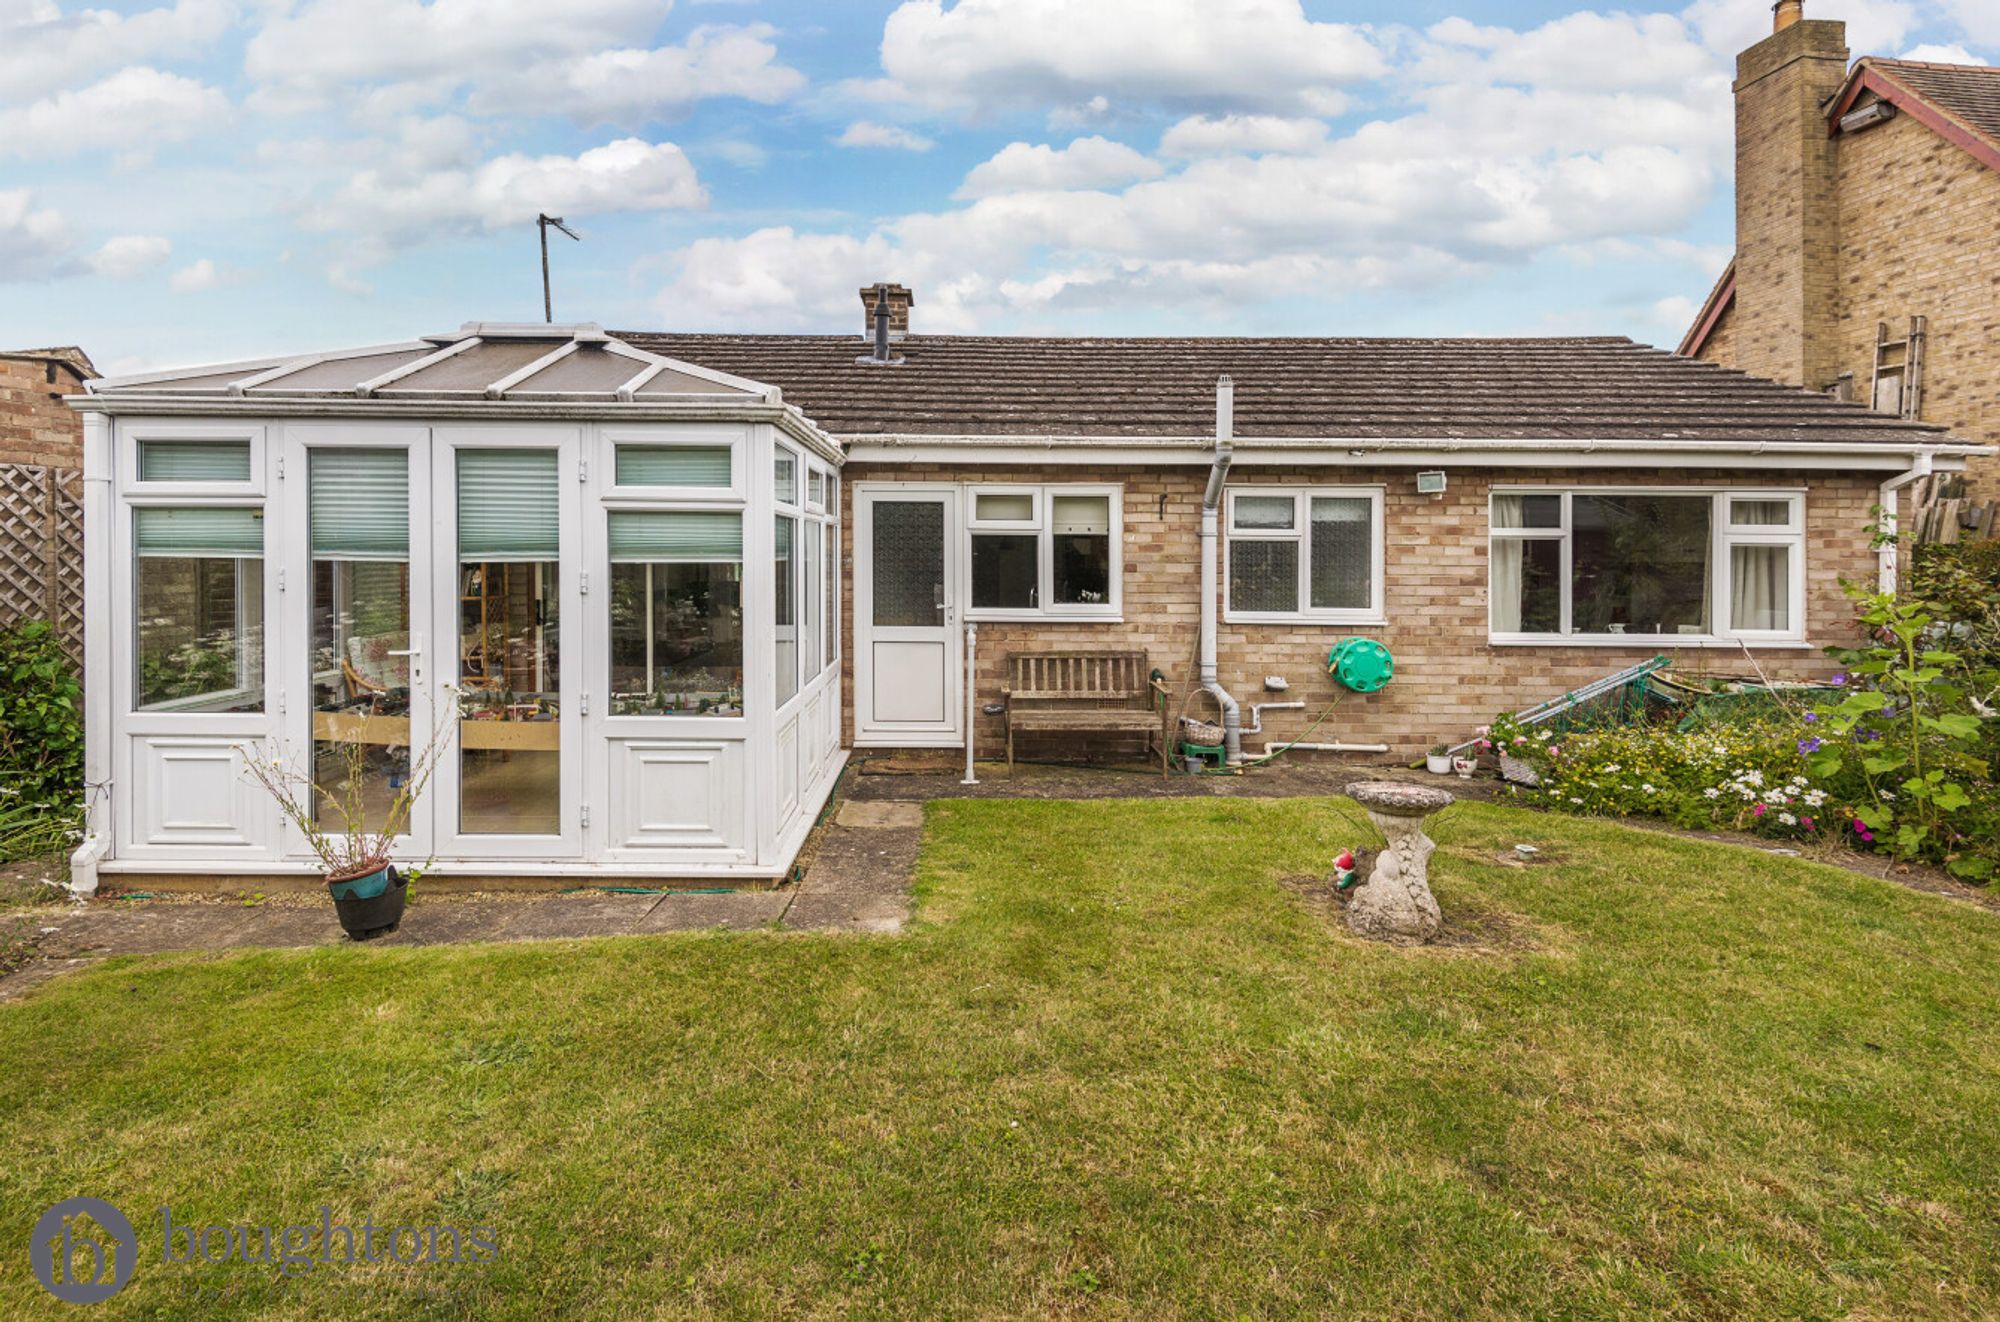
column 1118, row 1068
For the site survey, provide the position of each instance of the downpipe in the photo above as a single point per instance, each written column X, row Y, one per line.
column 1886, row 568
column 1211, row 505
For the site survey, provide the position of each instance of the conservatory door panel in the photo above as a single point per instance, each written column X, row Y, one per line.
column 195, row 791
column 683, row 797
column 907, row 649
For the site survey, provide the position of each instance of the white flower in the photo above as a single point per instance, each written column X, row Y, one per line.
column 1788, row 819
column 1815, row 798
column 1574, row 799
column 1610, row 768
column 1711, row 792
column 1648, row 788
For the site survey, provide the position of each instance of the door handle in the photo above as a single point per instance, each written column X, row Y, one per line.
column 415, row 652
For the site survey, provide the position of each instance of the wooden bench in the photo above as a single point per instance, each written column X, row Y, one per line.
column 1085, row 692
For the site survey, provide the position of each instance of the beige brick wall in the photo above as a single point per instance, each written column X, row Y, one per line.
column 35, row 428
column 1448, row 677
column 1787, row 234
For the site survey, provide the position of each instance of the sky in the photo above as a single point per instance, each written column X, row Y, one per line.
column 212, row 179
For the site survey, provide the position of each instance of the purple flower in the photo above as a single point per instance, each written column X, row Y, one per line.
column 1840, row 679
column 1809, row 745
column 1811, row 717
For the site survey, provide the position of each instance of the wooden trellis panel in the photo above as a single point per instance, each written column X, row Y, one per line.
column 41, row 550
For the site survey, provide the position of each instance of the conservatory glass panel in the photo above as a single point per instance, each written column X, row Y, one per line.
column 199, row 609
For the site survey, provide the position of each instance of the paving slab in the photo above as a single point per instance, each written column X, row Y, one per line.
column 562, row 916
column 148, row 929
column 737, row 911
column 879, row 912
column 880, row 813
column 877, row 860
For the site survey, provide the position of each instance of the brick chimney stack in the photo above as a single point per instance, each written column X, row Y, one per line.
column 1787, row 220
column 900, row 300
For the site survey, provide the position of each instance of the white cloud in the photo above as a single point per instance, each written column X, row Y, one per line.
column 588, row 59
column 1979, row 18
column 1728, row 27
column 1205, row 135
column 1937, row 54
column 197, row 276
column 34, row 241
column 131, row 110
column 627, row 175
column 42, row 49
column 1086, row 163
column 129, row 255
column 996, row 53
column 867, row 133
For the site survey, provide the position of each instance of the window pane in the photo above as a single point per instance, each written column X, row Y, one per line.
column 1639, row 564
column 1760, row 587
column 1343, row 561
column 784, row 476
column 1519, row 511
column 1005, row 572
column 677, row 638
column 656, row 535
column 671, row 465
column 1081, row 514
column 510, row 686
column 1263, row 512
column 816, row 487
column 907, row 557
column 829, row 579
column 194, row 461
column 809, row 604
column 360, row 686
column 1527, row 585
column 1004, row 507
column 360, row 503
column 507, row 503
column 1264, row 576
column 200, row 632
column 786, row 604
column 1082, row 570
column 1760, row 513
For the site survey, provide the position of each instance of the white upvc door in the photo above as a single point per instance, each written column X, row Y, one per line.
column 908, row 684
column 506, row 676
column 357, row 648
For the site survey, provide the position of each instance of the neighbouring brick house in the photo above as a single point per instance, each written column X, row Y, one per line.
column 41, row 510
column 1865, row 197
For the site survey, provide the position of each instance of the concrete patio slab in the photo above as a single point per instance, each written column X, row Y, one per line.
column 880, row 813
column 738, row 912
column 851, row 911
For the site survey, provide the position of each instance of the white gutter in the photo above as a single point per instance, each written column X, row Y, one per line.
column 98, row 761
column 1885, row 554
column 1211, row 505
column 1363, row 446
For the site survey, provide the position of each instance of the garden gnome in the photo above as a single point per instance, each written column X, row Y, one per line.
column 1395, row 902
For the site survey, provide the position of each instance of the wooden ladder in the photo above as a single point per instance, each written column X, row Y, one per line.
column 1898, row 384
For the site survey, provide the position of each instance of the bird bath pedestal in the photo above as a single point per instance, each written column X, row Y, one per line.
column 1395, row 902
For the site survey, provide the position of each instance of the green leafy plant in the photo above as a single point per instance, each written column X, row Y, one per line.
column 1909, row 732
column 41, row 743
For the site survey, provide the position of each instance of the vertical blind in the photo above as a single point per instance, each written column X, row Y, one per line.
column 507, row 505
column 194, row 461
column 199, row 533
column 361, row 504
column 672, row 466
column 675, row 535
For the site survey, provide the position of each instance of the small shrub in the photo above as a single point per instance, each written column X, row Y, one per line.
column 41, row 743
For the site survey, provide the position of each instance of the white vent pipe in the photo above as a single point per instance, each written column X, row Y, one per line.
column 1211, row 506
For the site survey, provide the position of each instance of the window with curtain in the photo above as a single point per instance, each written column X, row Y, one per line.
column 673, row 466
column 194, row 461
column 1037, row 551
column 199, row 609
column 359, row 511
column 1306, row 554
column 676, row 613
column 1654, row 565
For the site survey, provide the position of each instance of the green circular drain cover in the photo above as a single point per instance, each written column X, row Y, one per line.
column 1361, row 664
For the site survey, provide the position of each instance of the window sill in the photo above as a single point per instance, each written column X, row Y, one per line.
column 1043, row 617
column 1651, row 642
column 1322, row 621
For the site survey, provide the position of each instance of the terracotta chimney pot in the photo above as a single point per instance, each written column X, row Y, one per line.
column 1785, row 13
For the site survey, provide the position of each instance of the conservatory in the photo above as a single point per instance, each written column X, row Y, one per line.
column 591, row 588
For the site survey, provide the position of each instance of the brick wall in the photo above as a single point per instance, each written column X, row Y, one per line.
column 36, row 427
column 1787, row 223
column 1448, row 677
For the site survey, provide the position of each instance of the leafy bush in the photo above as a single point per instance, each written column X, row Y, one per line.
column 41, row 743
column 1900, row 763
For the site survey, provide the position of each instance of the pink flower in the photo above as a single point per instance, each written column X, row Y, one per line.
column 1757, row 811
column 1806, row 822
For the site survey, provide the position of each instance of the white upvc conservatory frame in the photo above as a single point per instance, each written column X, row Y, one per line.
column 666, row 796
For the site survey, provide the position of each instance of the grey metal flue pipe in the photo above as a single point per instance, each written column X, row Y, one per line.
column 1211, row 507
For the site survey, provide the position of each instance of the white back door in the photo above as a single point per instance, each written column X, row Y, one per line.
column 907, row 665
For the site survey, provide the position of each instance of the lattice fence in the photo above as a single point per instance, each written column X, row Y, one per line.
column 41, row 550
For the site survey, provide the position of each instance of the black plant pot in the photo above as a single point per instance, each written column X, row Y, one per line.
column 369, row 906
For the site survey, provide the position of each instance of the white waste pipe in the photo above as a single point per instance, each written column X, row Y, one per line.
column 1211, row 505
column 1885, row 554
column 1335, row 747
column 971, row 697
column 1257, row 710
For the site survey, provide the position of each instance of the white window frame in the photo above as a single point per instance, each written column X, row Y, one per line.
column 1723, row 534
column 647, row 438
column 1301, row 532
column 1044, row 496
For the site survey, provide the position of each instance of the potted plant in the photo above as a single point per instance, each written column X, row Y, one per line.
column 1438, row 760
column 368, row 892
column 1465, row 764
